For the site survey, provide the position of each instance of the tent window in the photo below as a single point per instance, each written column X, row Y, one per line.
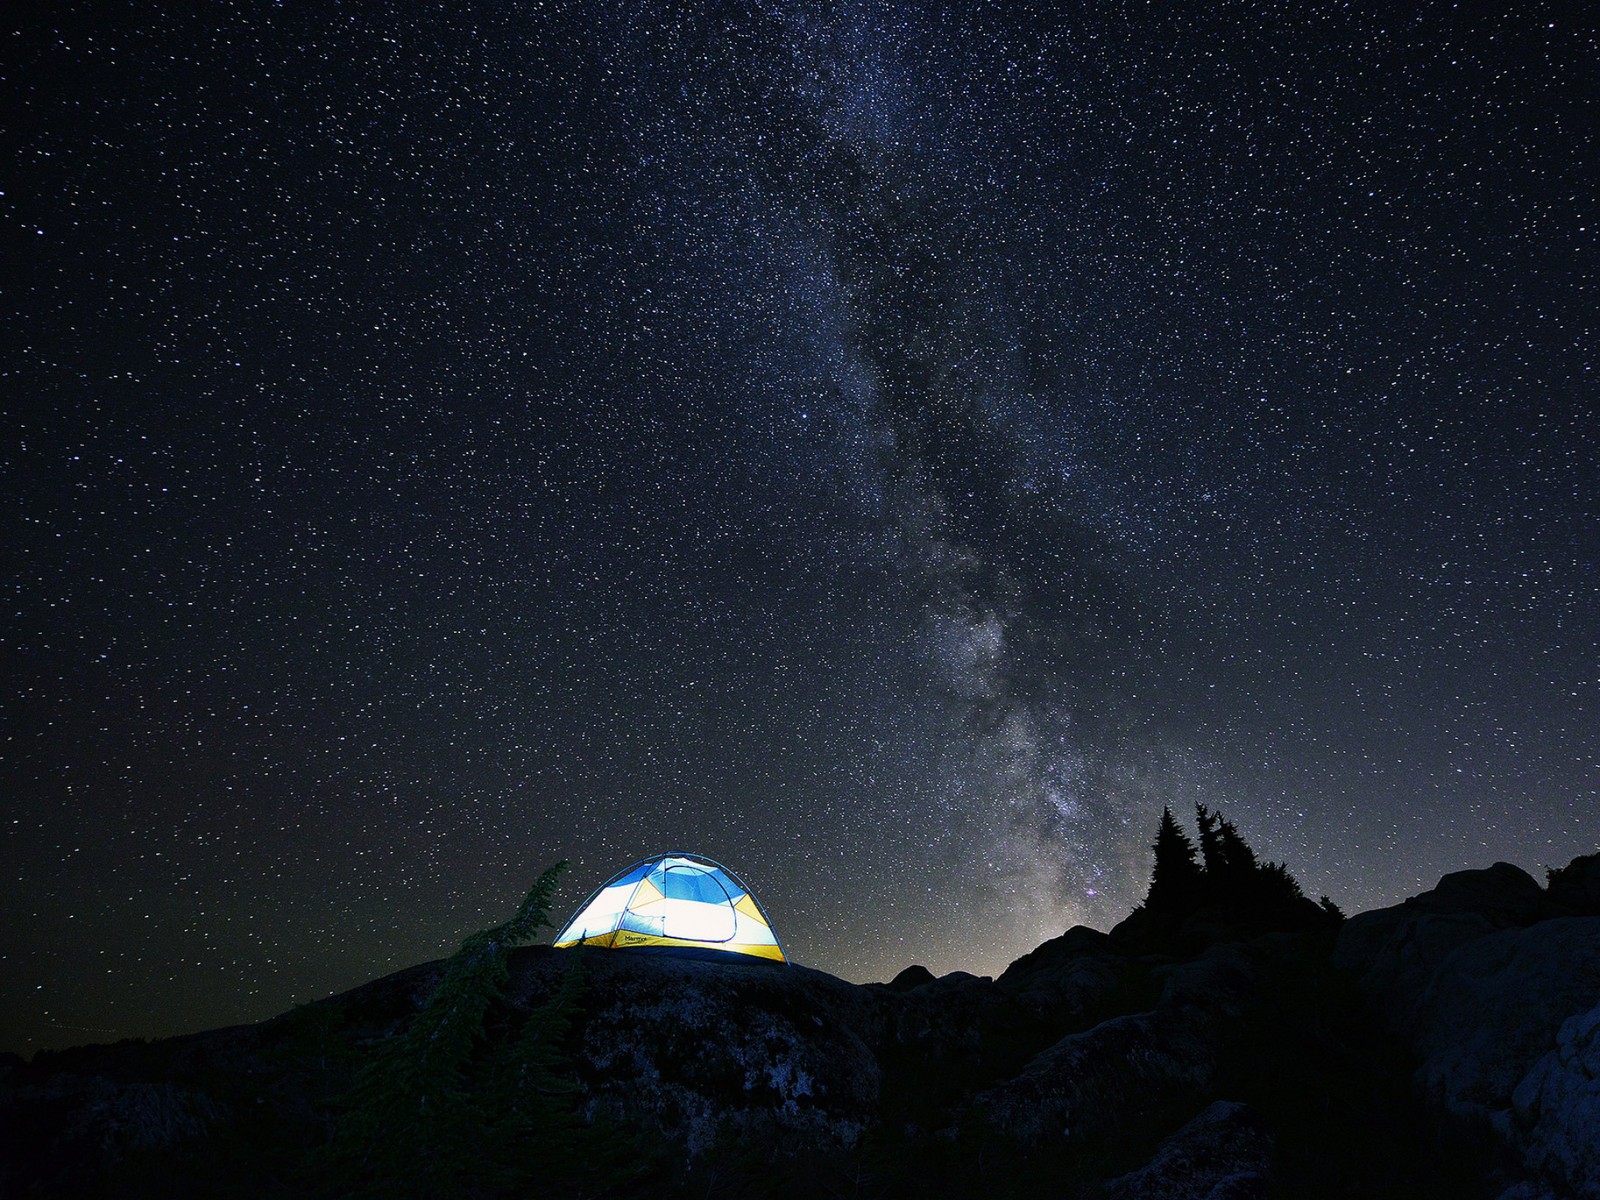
column 687, row 883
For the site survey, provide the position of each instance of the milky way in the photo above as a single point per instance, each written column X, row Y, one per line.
column 891, row 450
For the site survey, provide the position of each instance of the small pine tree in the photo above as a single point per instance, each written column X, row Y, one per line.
column 1176, row 878
column 410, row 1127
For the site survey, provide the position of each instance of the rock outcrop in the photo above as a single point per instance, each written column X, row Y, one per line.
column 1090, row 1084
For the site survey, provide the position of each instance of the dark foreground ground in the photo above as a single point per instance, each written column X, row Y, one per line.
column 1447, row 1047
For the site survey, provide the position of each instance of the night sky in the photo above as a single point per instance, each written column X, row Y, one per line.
column 892, row 450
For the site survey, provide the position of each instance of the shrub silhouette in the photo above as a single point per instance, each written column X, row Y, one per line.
column 432, row 1115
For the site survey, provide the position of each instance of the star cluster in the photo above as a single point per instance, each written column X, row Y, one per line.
column 894, row 449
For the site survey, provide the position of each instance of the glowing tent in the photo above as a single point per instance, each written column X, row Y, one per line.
column 677, row 903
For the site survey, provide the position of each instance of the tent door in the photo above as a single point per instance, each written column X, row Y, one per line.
column 698, row 907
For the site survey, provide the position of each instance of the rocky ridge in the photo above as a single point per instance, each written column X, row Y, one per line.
column 1448, row 1046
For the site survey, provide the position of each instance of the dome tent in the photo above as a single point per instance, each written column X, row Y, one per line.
column 676, row 903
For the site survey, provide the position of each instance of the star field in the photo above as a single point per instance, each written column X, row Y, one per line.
column 891, row 449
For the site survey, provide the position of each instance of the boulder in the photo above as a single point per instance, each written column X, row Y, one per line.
column 1123, row 1071
column 1556, row 1109
column 944, row 1023
column 1067, row 977
column 701, row 1051
column 1225, row 1153
column 1495, row 1006
column 134, row 1118
column 1525, row 1190
column 1076, row 943
column 1092, row 1084
column 1504, row 893
column 912, row 977
column 1502, row 896
column 1210, row 992
column 1395, row 951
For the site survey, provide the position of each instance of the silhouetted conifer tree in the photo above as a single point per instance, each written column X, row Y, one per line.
column 1275, row 885
column 1210, row 847
column 1176, row 880
column 1238, row 865
column 1237, row 872
column 1229, row 880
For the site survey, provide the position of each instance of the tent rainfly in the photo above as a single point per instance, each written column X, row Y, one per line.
column 674, row 903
